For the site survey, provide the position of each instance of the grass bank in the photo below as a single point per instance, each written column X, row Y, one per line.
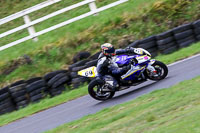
column 135, row 19
column 170, row 110
column 66, row 96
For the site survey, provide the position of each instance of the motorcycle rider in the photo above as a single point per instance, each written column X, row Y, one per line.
column 107, row 69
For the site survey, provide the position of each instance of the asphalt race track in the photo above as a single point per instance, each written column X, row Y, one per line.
column 73, row 110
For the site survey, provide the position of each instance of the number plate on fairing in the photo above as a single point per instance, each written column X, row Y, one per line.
column 88, row 72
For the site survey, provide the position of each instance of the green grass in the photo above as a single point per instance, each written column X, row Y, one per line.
column 180, row 54
column 68, row 32
column 50, row 102
column 170, row 110
column 55, row 50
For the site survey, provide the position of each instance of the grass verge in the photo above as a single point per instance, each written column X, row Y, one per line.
column 50, row 102
column 171, row 110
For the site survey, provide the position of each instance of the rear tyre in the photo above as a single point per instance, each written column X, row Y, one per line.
column 161, row 71
column 94, row 89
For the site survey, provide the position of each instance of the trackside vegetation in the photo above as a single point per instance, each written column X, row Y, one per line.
column 66, row 96
column 130, row 21
column 170, row 110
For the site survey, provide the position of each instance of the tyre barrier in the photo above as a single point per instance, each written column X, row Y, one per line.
column 21, row 93
column 6, row 103
column 56, row 84
column 80, row 56
column 36, row 90
column 56, row 80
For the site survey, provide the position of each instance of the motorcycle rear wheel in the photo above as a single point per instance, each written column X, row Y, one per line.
column 94, row 91
column 161, row 69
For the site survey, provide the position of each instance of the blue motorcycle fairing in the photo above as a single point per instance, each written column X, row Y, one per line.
column 124, row 59
column 132, row 74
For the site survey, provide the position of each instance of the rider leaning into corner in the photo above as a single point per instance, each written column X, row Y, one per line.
column 108, row 69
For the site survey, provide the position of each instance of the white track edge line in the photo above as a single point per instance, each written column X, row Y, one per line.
column 177, row 62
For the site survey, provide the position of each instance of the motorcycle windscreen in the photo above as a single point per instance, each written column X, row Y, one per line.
column 132, row 74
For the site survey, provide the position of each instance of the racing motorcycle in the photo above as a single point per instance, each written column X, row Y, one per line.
column 147, row 68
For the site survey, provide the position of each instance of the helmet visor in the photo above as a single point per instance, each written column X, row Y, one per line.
column 110, row 51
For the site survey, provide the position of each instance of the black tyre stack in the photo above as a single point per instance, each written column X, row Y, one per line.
column 80, row 56
column 36, row 89
column 6, row 103
column 171, row 40
column 74, row 68
column 196, row 26
column 94, row 56
column 91, row 63
column 134, row 44
column 166, row 42
column 18, row 93
column 150, row 45
column 184, row 35
column 56, row 81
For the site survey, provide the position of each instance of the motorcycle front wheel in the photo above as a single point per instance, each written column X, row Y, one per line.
column 161, row 71
column 94, row 89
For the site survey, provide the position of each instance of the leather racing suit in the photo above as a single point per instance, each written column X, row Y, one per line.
column 107, row 69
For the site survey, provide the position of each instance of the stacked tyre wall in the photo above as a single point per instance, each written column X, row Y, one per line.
column 24, row 92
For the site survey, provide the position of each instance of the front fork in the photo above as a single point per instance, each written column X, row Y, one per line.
column 151, row 69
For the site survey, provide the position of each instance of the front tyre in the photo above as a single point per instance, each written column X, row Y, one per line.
column 161, row 71
column 95, row 91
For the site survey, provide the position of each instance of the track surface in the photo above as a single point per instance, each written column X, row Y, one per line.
column 73, row 110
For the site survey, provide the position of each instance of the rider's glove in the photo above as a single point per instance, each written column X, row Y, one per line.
column 130, row 50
